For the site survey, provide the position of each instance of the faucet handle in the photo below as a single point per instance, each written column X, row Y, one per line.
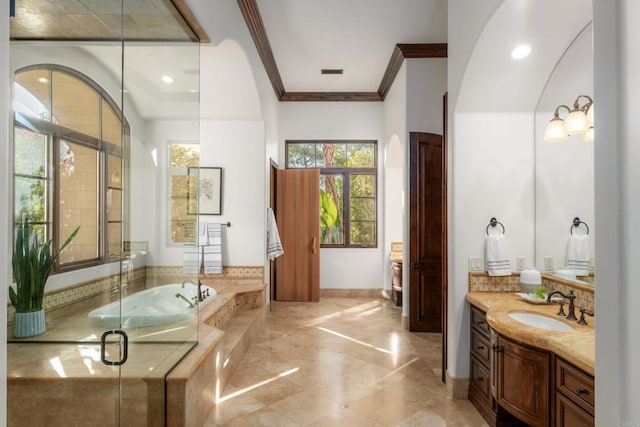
column 561, row 310
column 584, row 311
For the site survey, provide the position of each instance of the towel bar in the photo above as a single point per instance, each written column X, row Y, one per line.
column 576, row 223
column 494, row 222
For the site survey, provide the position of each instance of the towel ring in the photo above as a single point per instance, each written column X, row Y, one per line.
column 576, row 223
column 493, row 222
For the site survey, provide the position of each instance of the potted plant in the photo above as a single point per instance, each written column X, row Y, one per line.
column 32, row 263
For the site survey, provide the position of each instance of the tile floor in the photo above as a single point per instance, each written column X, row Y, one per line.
column 340, row 362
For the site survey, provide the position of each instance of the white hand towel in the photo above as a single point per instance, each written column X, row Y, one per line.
column 578, row 254
column 212, row 252
column 203, row 238
column 497, row 256
column 274, row 245
column 190, row 262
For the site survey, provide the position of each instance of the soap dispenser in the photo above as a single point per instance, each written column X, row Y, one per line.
column 530, row 279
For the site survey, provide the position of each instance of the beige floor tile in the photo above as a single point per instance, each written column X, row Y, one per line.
column 340, row 362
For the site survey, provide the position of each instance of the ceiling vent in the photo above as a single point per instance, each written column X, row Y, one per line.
column 331, row 71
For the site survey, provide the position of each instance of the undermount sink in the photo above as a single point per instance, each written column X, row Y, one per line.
column 540, row 321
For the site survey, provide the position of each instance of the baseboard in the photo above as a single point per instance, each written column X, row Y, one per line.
column 457, row 388
column 404, row 322
column 351, row 293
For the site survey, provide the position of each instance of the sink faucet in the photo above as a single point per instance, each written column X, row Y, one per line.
column 571, row 297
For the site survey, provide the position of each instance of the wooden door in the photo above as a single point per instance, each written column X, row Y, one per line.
column 273, row 197
column 427, row 231
column 298, row 207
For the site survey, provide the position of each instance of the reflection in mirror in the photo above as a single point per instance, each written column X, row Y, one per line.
column 565, row 172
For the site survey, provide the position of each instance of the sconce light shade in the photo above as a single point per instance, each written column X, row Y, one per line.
column 555, row 131
column 576, row 123
column 589, row 136
column 590, row 116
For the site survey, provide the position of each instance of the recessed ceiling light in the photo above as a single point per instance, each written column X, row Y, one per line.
column 520, row 52
column 167, row 79
column 43, row 80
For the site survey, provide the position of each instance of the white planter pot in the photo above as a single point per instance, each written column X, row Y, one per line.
column 28, row 324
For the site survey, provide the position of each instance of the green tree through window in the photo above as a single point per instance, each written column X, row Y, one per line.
column 348, row 171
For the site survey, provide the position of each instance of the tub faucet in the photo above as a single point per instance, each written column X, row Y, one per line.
column 179, row 295
column 188, row 281
column 571, row 297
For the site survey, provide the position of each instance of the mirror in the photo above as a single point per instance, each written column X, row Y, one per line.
column 565, row 170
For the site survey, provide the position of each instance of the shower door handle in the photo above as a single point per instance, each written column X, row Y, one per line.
column 125, row 347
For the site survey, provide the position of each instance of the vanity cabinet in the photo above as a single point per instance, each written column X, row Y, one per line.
column 509, row 378
column 481, row 383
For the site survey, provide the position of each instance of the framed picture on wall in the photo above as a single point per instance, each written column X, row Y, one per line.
column 207, row 199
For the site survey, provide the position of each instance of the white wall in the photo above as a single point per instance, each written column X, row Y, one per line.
column 238, row 147
column 341, row 268
column 617, row 89
column 492, row 176
column 396, row 134
column 5, row 214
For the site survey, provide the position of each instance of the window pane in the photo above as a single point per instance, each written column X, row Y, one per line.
column 332, row 155
column 76, row 105
column 78, row 201
column 362, row 233
column 30, row 152
column 331, row 212
column 31, row 94
column 111, row 125
column 184, row 155
column 361, row 155
column 114, row 205
column 362, row 209
column 114, row 171
column 30, row 199
column 115, row 238
column 363, row 186
column 183, row 208
column 301, row 155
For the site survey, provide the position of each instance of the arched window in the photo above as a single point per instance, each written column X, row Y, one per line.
column 70, row 155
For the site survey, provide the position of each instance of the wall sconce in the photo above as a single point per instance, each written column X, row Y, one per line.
column 578, row 122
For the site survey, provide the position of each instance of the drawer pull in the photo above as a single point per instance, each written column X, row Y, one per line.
column 480, row 347
column 481, row 322
column 581, row 391
column 480, row 379
column 496, row 348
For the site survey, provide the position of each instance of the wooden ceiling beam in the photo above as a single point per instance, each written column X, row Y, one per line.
column 251, row 14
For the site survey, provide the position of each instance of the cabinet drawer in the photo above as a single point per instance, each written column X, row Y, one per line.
column 479, row 321
column 568, row 414
column 480, row 379
column 480, row 347
column 575, row 384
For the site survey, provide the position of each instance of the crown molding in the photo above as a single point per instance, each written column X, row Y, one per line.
column 252, row 17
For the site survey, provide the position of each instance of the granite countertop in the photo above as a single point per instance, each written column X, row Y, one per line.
column 576, row 346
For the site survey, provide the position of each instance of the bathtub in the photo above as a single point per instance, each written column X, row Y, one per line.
column 154, row 306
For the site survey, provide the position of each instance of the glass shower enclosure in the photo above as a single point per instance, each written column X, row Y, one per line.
column 106, row 127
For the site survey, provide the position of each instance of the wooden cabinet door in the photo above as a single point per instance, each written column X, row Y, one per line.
column 523, row 382
column 298, row 208
column 568, row 414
